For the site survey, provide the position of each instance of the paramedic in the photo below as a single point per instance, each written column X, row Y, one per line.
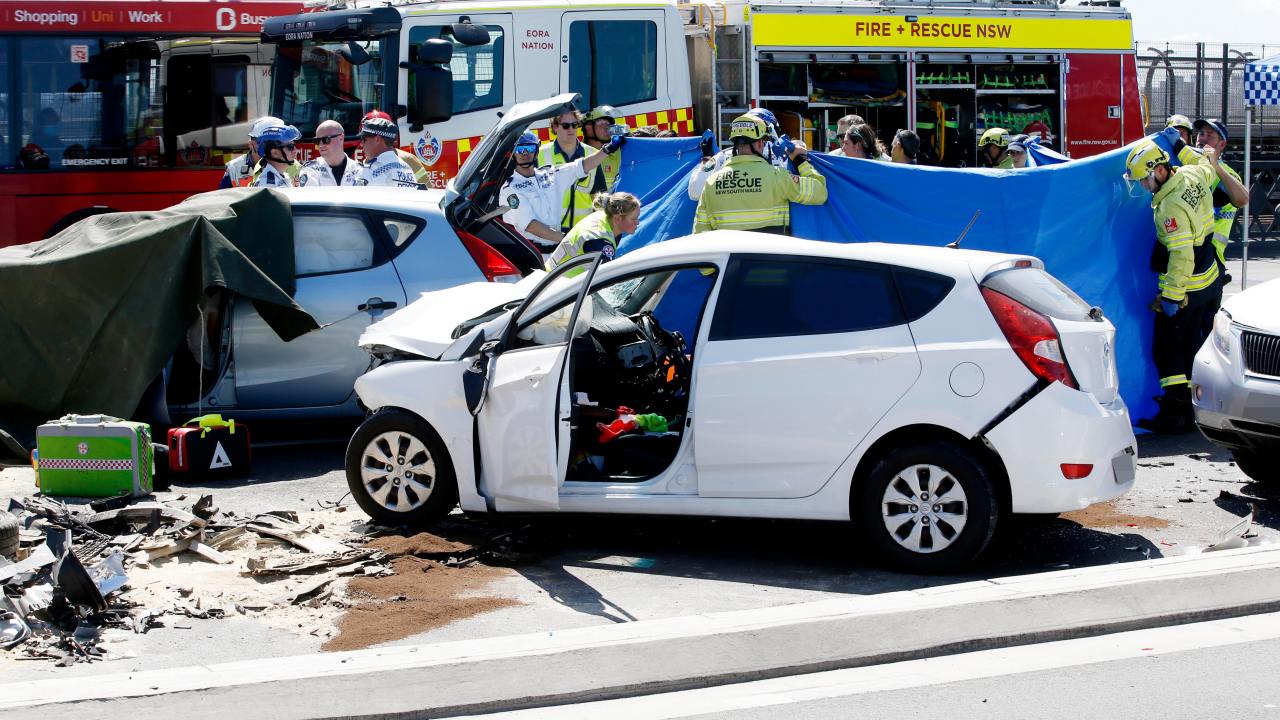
column 616, row 214
column 534, row 196
column 240, row 169
column 750, row 193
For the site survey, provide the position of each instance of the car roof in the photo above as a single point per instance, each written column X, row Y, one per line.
column 409, row 200
column 949, row 261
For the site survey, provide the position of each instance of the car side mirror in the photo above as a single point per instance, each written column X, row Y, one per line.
column 354, row 54
column 431, row 84
column 468, row 34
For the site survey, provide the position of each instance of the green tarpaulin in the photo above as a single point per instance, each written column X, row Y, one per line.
column 89, row 317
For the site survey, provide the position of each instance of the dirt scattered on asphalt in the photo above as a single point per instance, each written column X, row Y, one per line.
column 1105, row 515
column 422, row 595
column 422, row 544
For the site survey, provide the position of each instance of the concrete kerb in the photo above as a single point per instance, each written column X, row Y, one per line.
column 637, row 658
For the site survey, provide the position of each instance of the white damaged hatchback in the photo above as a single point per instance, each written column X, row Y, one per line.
column 922, row 393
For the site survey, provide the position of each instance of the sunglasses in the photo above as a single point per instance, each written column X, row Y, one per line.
column 326, row 139
column 368, row 136
column 290, row 146
column 569, row 125
column 526, row 149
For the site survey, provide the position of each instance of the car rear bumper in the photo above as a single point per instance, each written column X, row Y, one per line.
column 1232, row 408
column 1060, row 425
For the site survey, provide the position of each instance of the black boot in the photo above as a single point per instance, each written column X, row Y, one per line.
column 1175, row 416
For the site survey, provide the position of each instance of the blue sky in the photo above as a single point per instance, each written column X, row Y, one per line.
column 1215, row 21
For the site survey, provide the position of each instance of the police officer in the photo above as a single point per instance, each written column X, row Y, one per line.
column 333, row 167
column 749, row 193
column 420, row 173
column 1188, row 271
column 534, row 196
column 993, row 149
column 240, row 169
column 598, row 128
column 276, row 146
column 616, row 214
column 713, row 161
column 382, row 166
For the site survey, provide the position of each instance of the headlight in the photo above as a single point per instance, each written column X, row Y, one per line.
column 1222, row 332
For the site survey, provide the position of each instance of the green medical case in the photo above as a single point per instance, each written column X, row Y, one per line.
column 93, row 456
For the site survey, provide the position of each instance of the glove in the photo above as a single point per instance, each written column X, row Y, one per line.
column 708, row 143
column 783, row 146
column 1170, row 141
column 1169, row 307
column 615, row 144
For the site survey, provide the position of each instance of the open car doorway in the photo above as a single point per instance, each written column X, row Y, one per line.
column 630, row 374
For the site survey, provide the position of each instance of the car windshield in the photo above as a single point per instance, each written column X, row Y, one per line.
column 316, row 81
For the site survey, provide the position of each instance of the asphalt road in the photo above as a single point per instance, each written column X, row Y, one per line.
column 586, row 571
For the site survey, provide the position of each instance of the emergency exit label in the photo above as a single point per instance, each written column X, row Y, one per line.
column 810, row 30
column 79, row 53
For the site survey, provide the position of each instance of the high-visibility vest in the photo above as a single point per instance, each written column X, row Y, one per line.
column 1224, row 215
column 593, row 227
column 1183, row 213
column 748, row 193
column 577, row 201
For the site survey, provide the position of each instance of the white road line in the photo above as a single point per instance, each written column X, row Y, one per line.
column 918, row 673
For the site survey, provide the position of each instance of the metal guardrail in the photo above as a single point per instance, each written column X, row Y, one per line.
column 1264, row 195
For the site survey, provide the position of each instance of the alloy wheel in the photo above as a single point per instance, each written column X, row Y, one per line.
column 398, row 471
column 924, row 508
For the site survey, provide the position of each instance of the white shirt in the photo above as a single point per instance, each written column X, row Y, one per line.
column 386, row 170
column 317, row 173
column 271, row 177
column 239, row 170
column 698, row 178
column 540, row 196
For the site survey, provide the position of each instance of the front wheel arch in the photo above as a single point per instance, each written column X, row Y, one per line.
column 443, row 495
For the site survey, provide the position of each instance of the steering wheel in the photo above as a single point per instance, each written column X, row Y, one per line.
column 671, row 344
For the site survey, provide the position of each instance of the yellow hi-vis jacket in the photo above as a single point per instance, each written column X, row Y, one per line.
column 749, row 193
column 1224, row 214
column 577, row 201
column 1183, row 212
column 592, row 234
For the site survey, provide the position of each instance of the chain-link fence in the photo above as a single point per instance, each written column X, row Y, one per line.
column 1206, row 80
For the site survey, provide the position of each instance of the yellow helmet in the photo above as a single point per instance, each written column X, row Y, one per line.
column 748, row 127
column 995, row 136
column 1180, row 121
column 1143, row 159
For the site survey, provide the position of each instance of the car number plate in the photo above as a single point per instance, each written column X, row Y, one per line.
column 1124, row 466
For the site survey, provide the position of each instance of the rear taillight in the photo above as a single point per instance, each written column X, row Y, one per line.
column 495, row 267
column 1032, row 336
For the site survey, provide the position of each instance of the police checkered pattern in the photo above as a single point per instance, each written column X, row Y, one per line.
column 80, row 464
column 1262, row 82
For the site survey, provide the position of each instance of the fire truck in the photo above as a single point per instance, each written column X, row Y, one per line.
column 947, row 68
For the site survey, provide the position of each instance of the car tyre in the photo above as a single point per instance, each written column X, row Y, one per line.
column 8, row 535
column 1258, row 466
column 927, row 508
column 399, row 471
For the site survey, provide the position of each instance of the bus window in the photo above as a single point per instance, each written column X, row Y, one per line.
column 477, row 69
column 206, row 108
column 314, row 82
column 8, row 158
column 595, row 47
column 85, row 102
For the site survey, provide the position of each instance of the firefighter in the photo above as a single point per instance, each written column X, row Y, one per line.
column 712, row 161
column 616, row 214
column 993, row 149
column 278, row 152
column 239, row 170
column 750, row 193
column 1186, row 129
column 382, row 165
column 534, row 196
column 420, row 174
column 598, row 128
column 1188, row 270
column 333, row 167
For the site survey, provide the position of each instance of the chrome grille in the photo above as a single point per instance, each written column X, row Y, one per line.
column 1261, row 353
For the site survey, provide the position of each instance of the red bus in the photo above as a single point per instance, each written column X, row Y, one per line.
column 108, row 106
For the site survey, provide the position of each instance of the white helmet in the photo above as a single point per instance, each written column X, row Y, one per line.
column 263, row 123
